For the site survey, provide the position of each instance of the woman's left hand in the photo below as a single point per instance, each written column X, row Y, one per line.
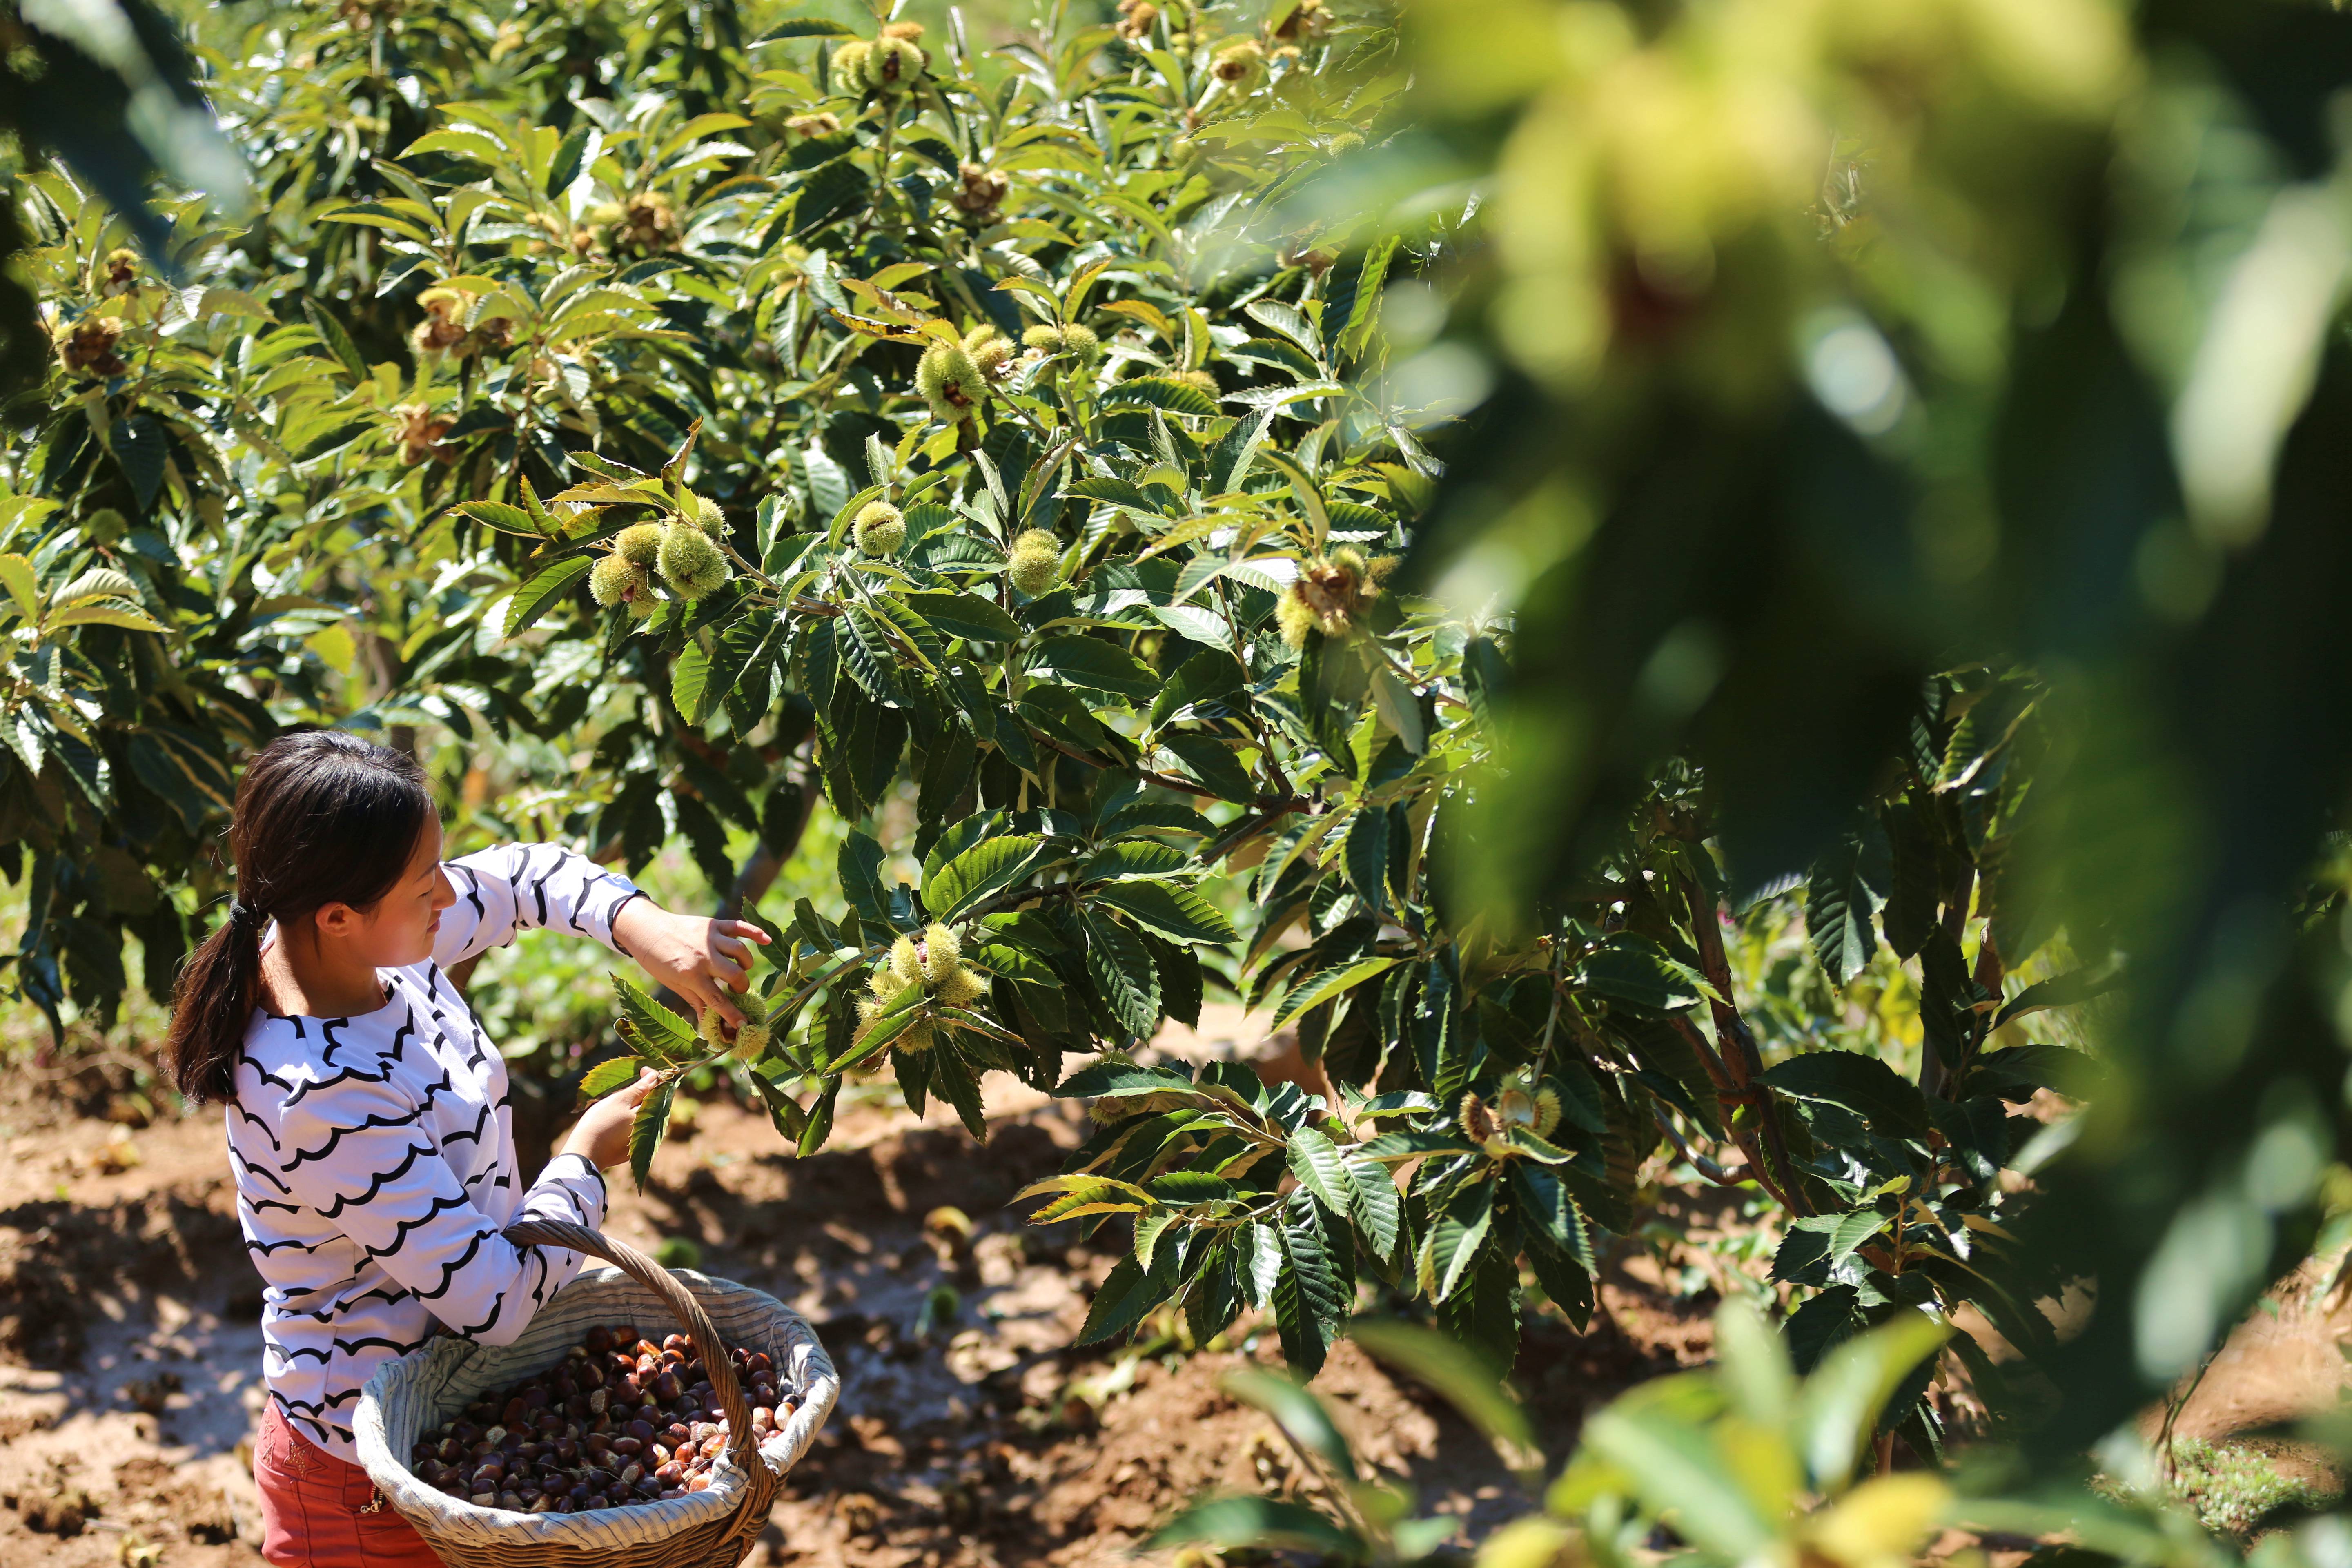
column 704, row 960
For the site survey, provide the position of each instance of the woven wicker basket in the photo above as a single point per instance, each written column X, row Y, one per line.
column 712, row 1529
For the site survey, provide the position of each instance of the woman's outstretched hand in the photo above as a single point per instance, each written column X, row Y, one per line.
column 601, row 1136
column 704, row 960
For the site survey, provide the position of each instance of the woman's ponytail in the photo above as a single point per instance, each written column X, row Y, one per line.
column 321, row 818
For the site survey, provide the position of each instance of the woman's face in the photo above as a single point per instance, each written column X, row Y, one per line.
column 397, row 930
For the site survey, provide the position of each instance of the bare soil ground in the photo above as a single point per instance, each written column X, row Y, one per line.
column 967, row 1435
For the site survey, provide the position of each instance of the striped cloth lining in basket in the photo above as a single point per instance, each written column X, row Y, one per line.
column 409, row 1397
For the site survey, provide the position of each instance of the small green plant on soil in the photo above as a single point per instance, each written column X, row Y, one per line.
column 2234, row 1488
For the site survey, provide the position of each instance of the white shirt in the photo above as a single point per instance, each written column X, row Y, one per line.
column 375, row 1158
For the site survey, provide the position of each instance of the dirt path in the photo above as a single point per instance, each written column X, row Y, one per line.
column 968, row 1432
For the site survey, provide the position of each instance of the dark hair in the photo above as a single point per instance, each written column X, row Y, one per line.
column 322, row 817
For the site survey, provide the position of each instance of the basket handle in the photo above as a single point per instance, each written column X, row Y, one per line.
column 742, row 1441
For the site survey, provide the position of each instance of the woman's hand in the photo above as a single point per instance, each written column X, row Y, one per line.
column 701, row 960
column 601, row 1136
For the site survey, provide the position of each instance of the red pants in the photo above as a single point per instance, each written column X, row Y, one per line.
column 314, row 1507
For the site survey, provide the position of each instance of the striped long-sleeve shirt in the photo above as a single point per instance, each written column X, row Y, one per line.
column 375, row 1158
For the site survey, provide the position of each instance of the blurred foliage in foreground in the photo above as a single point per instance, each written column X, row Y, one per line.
column 1818, row 346
column 1897, row 463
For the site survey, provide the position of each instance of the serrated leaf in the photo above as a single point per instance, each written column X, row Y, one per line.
column 1638, row 975
column 1316, row 1160
column 658, row 1031
column 1204, row 678
column 571, row 156
column 1123, row 972
column 1093, row 663
column 331, row 333
column 859, row 864
column 1456, row 1234
column 535, row 598
column 1377, row 1209
column 1177, row 912
column 1331, row 983
column 1126, row 1296
column 966, row 616
column 1163, row 392
column 895, row 1018
column 1838, row 908
column 1135, row 857
column 605, row 1076
column 1307, row 1307
column 646, row 1130
column 952, row 891
column 1859, row 1083
column 804, row 27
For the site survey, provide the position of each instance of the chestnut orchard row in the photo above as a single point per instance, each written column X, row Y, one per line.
column 677, row 415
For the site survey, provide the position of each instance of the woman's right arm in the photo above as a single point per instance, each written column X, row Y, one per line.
column 526, row 887
column 359, row 1159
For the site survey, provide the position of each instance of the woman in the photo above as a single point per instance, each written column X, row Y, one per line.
column 367, row 1114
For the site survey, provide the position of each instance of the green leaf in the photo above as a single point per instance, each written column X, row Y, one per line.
column 645, row 1130
column 1296, row 1412
column 1455, row 1235
column 1120, row 1304
column 1161, row 392
column 1123, row 972
column 859, row 864
column 952, row 891
column 1262, row 1524
column 1316, row 1160
column 1452, row 1369
column 1213, row 764
column 1364, row 856
column 2059, row 991
column 2077, row 1075
column 1135, row 857
column 605, row 1076
column 966, row 616
column 1546, row 1207
column 896, row 1017
column 1330, row 984
column 570, row 157
column 104, row 612
column 1378, row 1209
column 23, row 586
column 702, row 678
column 1204, row 678
column 1838, row 910
column 1177, row 912
column 1839, row 1406
column 1095, row 664
column 1853, row 1230
column 1678, row 1469
column 1862, row 1084
column 866, row 650
column 497, row 514
column 1077, row 1194
column 653, row 1029
column 1125, row 1080
column 536, row 596
column 1637, row 974
column 804, row 27
column 1307, row 1307
column 820, row 1119
column 1117, row 491
column 331, row 333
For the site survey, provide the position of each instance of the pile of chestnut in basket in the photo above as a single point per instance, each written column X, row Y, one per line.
column 619, row 1420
